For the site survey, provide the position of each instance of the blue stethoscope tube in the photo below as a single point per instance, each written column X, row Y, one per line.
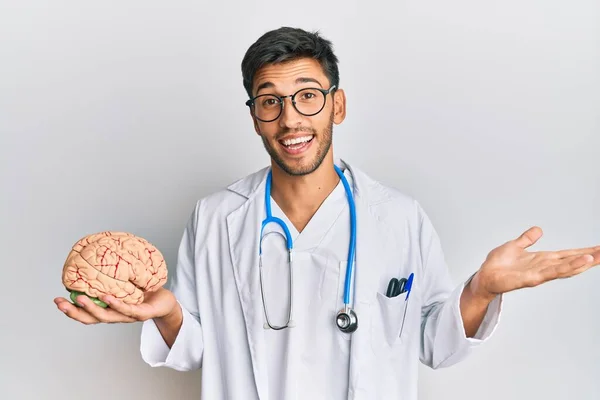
column 346, row 318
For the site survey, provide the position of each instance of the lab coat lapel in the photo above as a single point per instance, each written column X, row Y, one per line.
column 243, row 226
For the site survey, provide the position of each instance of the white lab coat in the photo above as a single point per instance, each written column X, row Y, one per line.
column 216, row 281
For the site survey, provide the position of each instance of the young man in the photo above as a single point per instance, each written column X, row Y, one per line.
column 328, row 333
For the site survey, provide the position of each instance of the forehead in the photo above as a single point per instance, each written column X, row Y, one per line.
column 286, row 75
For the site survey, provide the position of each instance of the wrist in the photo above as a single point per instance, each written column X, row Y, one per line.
column 173, row 319
column 170, row 324
column 477, row 290
column 173, row 313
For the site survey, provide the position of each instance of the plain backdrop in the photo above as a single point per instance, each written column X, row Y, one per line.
column 119, row 115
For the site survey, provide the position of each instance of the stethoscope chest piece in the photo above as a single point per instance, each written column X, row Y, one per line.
column 347, row 320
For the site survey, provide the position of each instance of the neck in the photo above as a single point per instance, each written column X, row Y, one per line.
column 299, row 197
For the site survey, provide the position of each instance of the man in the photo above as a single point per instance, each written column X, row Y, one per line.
column 231, row 292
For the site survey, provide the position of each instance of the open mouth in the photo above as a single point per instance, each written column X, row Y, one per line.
column 298, row 144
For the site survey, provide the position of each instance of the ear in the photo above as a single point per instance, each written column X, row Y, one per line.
column 339, row 106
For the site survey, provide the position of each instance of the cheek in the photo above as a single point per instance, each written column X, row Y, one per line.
column 323, row 123
column 268, row 130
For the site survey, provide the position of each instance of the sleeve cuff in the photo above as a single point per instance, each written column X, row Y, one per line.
column 489, row 323
column 186, row 352
column 455, row 345
column 490, row 320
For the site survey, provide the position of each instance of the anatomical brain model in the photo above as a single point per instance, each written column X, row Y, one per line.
column 116, row 263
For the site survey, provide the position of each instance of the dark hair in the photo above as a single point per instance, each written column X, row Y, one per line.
column 286, row 44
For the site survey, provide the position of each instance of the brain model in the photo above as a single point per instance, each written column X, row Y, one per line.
column 116, row 263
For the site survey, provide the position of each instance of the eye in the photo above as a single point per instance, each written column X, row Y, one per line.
column 269, row 102
column 309, row 95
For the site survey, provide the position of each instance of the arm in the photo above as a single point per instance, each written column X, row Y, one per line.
column 473, row 308
column 171, row 329
column 455, row 318
column 176, row 340
column 468, row 315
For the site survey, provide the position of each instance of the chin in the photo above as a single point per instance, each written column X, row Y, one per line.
column 299, row 166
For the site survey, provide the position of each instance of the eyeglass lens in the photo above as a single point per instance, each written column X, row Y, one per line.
column 307, row 101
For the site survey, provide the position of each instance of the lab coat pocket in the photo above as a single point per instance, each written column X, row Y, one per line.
column 388, row 319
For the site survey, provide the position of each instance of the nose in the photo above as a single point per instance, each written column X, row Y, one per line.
column 290, row 117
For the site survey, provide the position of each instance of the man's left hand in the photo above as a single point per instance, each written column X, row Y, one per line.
column 511, row 266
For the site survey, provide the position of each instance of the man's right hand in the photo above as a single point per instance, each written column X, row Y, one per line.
column 160, row 304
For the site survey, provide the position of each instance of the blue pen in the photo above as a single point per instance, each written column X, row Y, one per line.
column 408, row 285
column 408, row 288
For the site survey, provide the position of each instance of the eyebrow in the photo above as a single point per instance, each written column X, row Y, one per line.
column 269, row 84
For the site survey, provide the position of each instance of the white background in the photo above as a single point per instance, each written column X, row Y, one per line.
column 121, row 114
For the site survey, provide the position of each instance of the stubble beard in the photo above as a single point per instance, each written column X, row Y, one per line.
column 325, row 141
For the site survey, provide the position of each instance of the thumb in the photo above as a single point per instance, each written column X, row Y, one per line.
column 529, row 237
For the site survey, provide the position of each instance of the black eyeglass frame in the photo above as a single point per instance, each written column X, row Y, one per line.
column 250, row 103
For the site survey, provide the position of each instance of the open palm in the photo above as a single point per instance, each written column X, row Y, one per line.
column 156, row 304
column 511, row 266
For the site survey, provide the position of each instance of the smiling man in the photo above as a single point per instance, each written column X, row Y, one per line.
column 294, row 104
column 310, row 280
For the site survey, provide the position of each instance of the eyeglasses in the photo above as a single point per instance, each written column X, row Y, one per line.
column 307, row 101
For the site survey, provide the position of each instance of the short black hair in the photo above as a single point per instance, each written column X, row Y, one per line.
column 286, row 44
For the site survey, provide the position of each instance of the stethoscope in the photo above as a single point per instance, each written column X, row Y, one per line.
column 346, row 319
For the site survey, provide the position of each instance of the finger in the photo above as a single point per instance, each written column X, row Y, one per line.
column 74, row 312
column 135, row 312
column 106, row 315
column 570, row 266
column 596, row 256
column 575, row 252
column 60, row 300
column 529, row 237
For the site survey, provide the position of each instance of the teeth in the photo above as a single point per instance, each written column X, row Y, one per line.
column 303, row 139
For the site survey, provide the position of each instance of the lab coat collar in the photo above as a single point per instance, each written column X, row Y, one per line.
column 244, row 237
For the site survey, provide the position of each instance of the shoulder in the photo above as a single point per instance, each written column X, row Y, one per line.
column 385, row 199
column 399, row 212
column 394, row 208
column 219, row 204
